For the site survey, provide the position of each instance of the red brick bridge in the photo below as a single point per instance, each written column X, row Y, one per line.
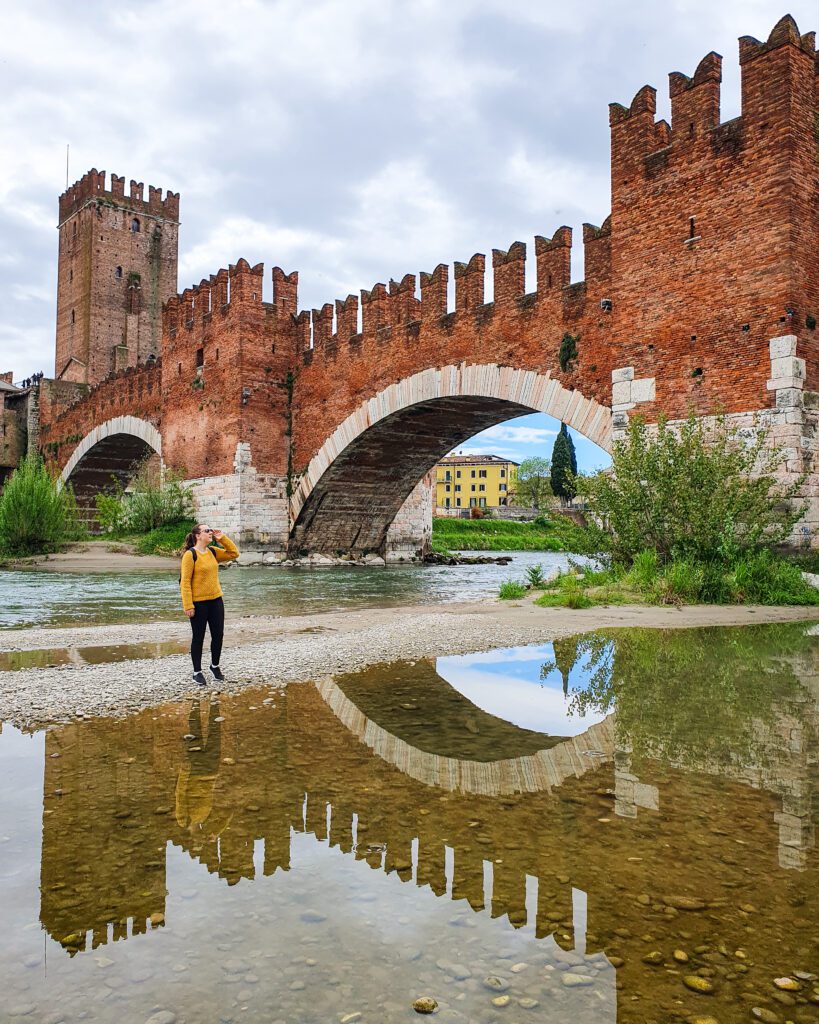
column 310, row 430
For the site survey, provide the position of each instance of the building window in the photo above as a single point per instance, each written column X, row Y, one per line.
column 482, row 502
column 457, row 487
column 447, row 475
column 200, row 358
column 503, row 472
column 481, row 472
column 472, row 474
column 447, row 488
column 446, row 503
column 458, row 473
column 457, row 502
column 501, row 487
column 473, row 502
column 135, row 225
column 481, row 487
column 473, row 487
column 118, row 273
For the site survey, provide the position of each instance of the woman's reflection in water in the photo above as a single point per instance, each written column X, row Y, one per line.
column 198, row 775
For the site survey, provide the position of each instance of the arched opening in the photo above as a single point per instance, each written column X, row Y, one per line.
column 135, row 226
column 356, row 484
column 107, row 459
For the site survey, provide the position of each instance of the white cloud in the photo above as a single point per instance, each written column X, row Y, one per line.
column 520, row 435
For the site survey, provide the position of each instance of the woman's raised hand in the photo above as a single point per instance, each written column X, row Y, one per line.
column 217, row 534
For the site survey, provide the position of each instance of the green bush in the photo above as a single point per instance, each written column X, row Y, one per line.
column 511, row 589
column 35, row 514
column 151, row 501
column 698, row 492
column 165, row 540
column 535, row 576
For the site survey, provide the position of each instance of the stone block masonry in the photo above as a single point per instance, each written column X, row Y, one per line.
column 701, row 293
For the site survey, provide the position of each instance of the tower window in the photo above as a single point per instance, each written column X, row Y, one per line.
column 200, row 357
column 70, row 276
column 135, row 225
column 118, row 273
column 73, row 317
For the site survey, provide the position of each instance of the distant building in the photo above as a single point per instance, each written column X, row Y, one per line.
column 474, row 481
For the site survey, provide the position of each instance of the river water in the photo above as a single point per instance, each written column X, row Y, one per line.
column 39, row 598
column 613, row 828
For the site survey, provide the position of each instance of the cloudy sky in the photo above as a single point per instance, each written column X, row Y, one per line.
column 351, row 140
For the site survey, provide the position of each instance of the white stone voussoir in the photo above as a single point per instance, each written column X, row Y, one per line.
column 143, row 429
column 536, row 391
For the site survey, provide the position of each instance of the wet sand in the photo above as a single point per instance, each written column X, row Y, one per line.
column 274, row 651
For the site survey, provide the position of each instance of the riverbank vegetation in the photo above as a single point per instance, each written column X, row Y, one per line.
column 545, row 533
column 36, row 516
column 693, row 513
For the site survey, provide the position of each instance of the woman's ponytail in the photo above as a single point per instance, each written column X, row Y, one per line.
column 190, row 540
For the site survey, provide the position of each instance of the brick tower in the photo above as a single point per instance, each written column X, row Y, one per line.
column 117, row 266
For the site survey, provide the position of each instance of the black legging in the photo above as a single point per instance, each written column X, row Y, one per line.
column 207, row 613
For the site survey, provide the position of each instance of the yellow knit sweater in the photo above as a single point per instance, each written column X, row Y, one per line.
column 200, row 580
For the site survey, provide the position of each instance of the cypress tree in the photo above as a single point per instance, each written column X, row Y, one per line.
column 564, row 462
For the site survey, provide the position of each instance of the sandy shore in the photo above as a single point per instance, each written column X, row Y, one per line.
column 94, row 556
column 273, row 651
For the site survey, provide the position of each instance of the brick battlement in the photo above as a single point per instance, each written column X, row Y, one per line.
column 237, row 288
column 388, row 308
column 91, row 187
column 695, row 100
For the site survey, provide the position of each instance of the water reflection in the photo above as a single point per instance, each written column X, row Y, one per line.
column 649, row 831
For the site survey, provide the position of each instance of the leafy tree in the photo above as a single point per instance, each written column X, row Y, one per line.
column 533, row 486
column 566, row 650
column 701, row 698
column 36, row 515
column 699, row 491
column 564, row 465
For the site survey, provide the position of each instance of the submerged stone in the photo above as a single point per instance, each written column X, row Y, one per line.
column 698, row 984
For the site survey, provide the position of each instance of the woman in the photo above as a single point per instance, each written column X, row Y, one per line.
column 202, row 595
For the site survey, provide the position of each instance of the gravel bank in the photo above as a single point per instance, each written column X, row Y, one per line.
column 276, row 651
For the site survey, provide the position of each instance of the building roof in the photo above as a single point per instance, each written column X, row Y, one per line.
column 6, row 386
column 476, row 460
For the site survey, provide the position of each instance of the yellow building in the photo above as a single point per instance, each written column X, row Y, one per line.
column 474, row 481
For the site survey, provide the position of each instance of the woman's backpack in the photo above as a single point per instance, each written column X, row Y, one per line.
column 193, row 553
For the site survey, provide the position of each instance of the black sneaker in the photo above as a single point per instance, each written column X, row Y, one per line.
column 217, row 673
column 199, row 679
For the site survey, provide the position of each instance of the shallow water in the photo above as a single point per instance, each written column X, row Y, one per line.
column 40, row 598
column 48, row 657
column 490, row 827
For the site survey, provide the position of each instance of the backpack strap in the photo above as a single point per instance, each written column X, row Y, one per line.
column 193, row 555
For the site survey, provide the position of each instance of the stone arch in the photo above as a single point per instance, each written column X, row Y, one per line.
column 109, row 450
column 457, row 402
column 530, row 773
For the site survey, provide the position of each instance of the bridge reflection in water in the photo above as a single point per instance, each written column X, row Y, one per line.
column 727, row 790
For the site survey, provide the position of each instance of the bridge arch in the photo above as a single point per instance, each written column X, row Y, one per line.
column 542, row 770
column 111, row 449
column 355, row 484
